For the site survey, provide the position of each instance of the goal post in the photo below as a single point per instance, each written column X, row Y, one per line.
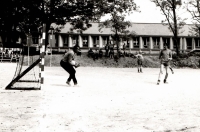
column 30, row 79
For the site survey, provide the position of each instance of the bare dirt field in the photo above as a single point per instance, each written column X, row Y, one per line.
column 107, row 100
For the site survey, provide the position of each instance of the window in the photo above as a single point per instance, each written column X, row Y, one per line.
column 189, row 43
column 74, row 40
column 95, row 41
column 174, row 45
column 146, row 42
column 65, row 40
column 128, row 44
column 136, row 42
column 105, row 40
column 156, row 42
column 85, row 41
column 197, row 43
column 166, row 41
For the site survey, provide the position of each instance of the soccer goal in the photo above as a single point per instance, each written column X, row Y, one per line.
column 29, row 71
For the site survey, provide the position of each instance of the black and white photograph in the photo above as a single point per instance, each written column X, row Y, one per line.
column 100, row 66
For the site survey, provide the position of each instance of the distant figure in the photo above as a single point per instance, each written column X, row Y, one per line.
column 140, row 59
column 124, row 49
column 96, row 55
column 107, row 48
column 90, row 53
column 100, row 53
column 120, row 53
column 111, row 53
column 68, row 64
column 77, row 49
column 165, row 57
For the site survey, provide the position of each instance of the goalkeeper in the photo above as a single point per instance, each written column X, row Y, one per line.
column 68, row 64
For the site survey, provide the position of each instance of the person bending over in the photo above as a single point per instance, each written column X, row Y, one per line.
column 68, row 64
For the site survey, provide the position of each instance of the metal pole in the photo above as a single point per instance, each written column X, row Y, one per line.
column 51, row 39
column 28, row 54
column 28, row 44
column 28, row 48
column 42, row 54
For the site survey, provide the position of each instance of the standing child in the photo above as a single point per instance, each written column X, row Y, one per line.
column 111, row 53
column 107, row 48
column 140, row 59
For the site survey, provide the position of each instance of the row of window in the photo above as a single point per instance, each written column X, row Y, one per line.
column 106, row 40
column 136, row 41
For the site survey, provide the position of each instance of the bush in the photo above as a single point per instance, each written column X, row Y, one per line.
column 181, row 56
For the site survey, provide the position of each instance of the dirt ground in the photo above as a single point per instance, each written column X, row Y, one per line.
column 107, row 100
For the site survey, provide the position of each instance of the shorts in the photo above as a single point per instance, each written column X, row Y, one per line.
column 165, row 63
column 139, row 62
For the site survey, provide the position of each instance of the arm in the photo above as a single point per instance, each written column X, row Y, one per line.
column 135, row 56
column 160, row 55
column 170, row 55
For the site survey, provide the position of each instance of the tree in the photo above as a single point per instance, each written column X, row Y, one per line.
column 118, row 10
column 168, row 8
column 29, row 16
column 193, row 7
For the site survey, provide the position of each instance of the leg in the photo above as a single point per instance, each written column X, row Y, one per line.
column 160, row 74
column 72, row 75
column 171, row 69
column 141, row 68
column 161, row 68
column 66, row 66
column 166, row 75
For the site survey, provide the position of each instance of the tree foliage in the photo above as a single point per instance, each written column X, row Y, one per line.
column 193, row 7
column 118, row 10
column 175, row 22
column 19, row 17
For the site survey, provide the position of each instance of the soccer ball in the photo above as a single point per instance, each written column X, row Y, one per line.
column 73, row 62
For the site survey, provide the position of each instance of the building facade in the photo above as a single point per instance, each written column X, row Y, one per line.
column 148, row 37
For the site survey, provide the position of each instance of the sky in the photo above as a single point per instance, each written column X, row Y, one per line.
column 152, row 14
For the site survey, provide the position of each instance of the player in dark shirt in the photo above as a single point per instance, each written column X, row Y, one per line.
column 68, row 64
column 165, row 57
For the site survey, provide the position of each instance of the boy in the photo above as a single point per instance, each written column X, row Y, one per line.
column 140, row 59
column 165, row 57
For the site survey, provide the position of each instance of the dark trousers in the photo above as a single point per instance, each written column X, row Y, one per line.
column 107, row 53
column 70, row 69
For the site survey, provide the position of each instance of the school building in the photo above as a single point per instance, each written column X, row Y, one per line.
column 148, row 37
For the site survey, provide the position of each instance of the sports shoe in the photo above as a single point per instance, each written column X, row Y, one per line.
column 165, row 81
column 68, row 83
column 172, row 72
column 158, row 82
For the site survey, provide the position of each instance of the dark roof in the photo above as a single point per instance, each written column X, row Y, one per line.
column 141, row 29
